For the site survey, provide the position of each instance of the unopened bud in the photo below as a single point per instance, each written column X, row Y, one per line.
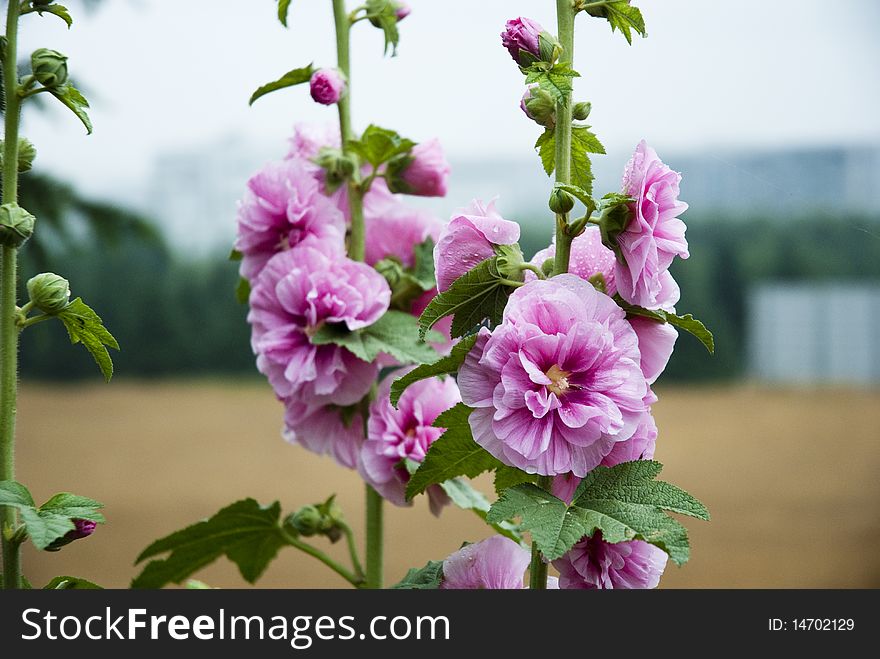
column 49, row 67
column 337, row 166
column 49, row 292
column 580, row 111
column 16, row 225
column 561, row 202
column 401, row 10
column 26, row 154
column 539, row 106
column 306, row 521
column 328, row 86
column 83, row 528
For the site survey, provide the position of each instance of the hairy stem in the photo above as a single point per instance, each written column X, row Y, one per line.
column 565, row 19
column 8, row 283
column 538, row 568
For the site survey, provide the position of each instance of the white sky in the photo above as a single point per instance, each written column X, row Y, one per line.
column 176, row 74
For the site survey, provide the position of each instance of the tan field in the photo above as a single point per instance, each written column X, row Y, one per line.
column 791, row 478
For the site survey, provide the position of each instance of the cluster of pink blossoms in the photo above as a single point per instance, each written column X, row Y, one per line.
column 292, row 238
column 563, row 384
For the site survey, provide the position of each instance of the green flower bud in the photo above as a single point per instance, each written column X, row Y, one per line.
column 49, row 292
column 548, row 266
column 510, row 260
column 580, row 111
column 26, row 154
column 306, row 521
column 16, row 225
column 49, row 67
column 337, row 165
column 616, row 216
column 539, row 106
column 561, row 202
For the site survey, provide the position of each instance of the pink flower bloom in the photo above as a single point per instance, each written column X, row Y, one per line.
column 295, row 295
column 322, row 430
column 394, row 435
column 522, row 34
column 654, row 235
column 469, row 238
column 309, row 139
column 394, row 229
column 327, row 86
column 558, row 382
column 428, row 173
column 284, row 207
column 656, row 342
column 497, row 563
column 595, row 564
column 589, row 257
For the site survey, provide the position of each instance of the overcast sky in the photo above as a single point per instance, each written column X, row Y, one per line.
column 176, row 74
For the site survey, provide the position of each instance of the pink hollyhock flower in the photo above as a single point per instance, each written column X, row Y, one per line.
column 558, row 383
column 82, row 528
column 308, row 139
column 470, row 238
column 295, row 295
column 497, row 563
column 394, row 229
column 654, row 235
column 428, row 173
column 589, row 257
column 656, row 343
column 522, row 34
column 395, row 435
column 595, row 564
column 322, row 430
column 284, row 207
column 327, row 86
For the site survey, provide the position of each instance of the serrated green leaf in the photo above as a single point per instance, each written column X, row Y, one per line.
column 687, row 322
column 546, row 146
column 444, row 366
column 556, row 81
column 71, row 97
column 248, row 534
column 289, row 79
column 57, row 10
column 423, row 264
column 424, row 578
column 383, row 15
column 85, row 326
column 243, row 290
column 71, row 583
column 283, row 9
column 623, row 502
column 379, row 145
column 477, row 295
column 583, row 143
column 54, row 518
column 395, row 333
column 506, row 477
column 453, row 454
column 621, row 16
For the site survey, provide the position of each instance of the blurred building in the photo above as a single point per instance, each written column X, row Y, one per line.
column 815, row 333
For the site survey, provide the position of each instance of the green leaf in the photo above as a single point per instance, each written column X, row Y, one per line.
column 622, row 502
column 283, row 9
column 289, row 79
column 379, row 145
column 85, row 326
column 54, row 518
column 425, row 578
column 687, row 322
column 383, row 15
column 453, row 454
column 395, row 334
column 583, row 142
column 243, row 290
column 71, row 583
column 506, row 477
column 621, row 16
column 75, row 102
column 477, row 295
column 423, row 267
column 546, row 146
column 247, row 533
column 556, row 81
column 465, row 496
column 58, row 10
column 444, row 366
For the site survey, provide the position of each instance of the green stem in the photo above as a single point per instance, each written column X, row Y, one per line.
column 533, row 268
column 565, row 20
column 538, row 568
column 8, row 284
column 352, row 551
column 353, row 579
column 375, row 566
column 355, row 194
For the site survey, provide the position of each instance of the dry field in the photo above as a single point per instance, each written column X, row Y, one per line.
column 791, row 478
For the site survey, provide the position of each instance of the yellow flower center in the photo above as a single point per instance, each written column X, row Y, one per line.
column 558, row 380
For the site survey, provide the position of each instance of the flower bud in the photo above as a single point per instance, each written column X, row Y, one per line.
column 49, row 67
column 539, row 106
column 401, row 10
column 26, row 154
column 327, row 86
column 561, row 202
column 306, row 521
column 16, row 225
column 510, row 260
column 49, row 292
column 580, row 111
column 426, row 174
column 337, row 166
column 83, row 528
column 522, row 38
